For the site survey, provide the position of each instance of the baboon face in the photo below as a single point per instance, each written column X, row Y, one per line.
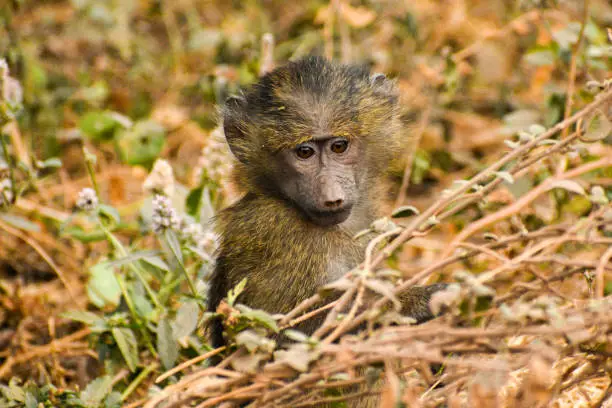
column 320, row 177
column 315, row 134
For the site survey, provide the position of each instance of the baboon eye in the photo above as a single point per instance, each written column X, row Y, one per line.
column 339, row 146
column 304, row 152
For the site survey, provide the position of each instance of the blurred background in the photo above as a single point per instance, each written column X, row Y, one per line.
column 131, row 81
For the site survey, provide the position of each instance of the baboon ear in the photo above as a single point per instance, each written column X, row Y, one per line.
column 384, row 86
column 233, row 127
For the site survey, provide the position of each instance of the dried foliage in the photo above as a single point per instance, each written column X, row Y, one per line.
column 112, row 166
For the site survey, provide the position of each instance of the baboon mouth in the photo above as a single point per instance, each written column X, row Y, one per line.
column 329, row 218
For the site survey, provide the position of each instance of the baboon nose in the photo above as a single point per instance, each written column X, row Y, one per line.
column 334, row 204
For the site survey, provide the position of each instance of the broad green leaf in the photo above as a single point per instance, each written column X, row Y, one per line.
column 579, row 204
column 102, row 288
column 598, row 195
column 536, row 129
column 298, row 356
column 186, row 319
column 141, row 301
column 519, row 120
column 51, row 163
column 13, row 391
column 109, row 212
column 251, row 340
column 568, row 185
column 258, row 316
column 173, row 244
column 540, row 58
column 167, row 347
column 89, row 318
column 248, row 363
column 568, row 35
column 192, row 203
column 207, row 210
column 157, row 262
column 141, row 144
column 134, row 256
column 521, row 186
column 113, row 400
column 599, row 128
column 30, row 400
column 128, row 345
column 99, row 125
column 20, row 222
column 96, row 391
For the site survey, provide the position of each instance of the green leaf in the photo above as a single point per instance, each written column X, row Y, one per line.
column 30, row 400
column 81, row 235
column 186, row 319
column 258, row 316
column 599, row 128
column 13, row 392
column 167, row 347
column 102, row 288
column 192, row 203
column 298, row 356
column 420, row 166
column 207, row 210
column 89, row 318
column 157, row 262
column 251, row 340
column 126, row 341
column 598, row 195
column 141, row 144
column 519, row 120
column 52, row 163
column 568, row 185
column 579, row 205
column 99, row 125
column 295, row 335
column 113, row 400
column 511, row 144
column 404, row 211
column 536, row 129
column 174, row 245
column 540, row 57
column 20, row 222
column 141, row 302
column 96, row 391
column 568, row 35
column 233, row 293
column 521, row 186
column 134, row 256
column 110, row 213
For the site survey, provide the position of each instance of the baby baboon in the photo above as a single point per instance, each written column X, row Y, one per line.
column 313, row 141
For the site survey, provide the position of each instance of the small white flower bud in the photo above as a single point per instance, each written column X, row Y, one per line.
column 88, row 200
column 161, row 179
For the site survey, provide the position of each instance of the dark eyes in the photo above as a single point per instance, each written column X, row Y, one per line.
column 305, row 151
column 339, row 146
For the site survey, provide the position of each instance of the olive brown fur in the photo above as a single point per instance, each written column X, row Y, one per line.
column 313, row 140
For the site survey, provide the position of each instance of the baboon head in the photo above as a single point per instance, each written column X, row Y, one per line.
column 314, row 133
